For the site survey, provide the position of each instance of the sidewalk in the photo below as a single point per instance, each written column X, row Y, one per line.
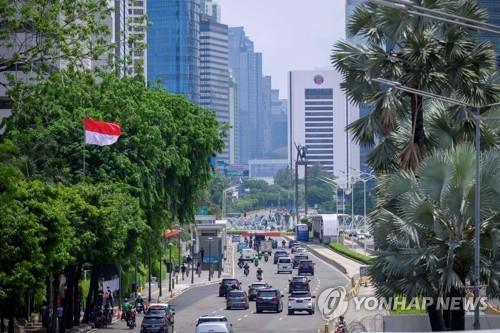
column 180, row 286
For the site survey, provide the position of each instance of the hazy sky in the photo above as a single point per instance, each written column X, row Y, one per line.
column 291, row 34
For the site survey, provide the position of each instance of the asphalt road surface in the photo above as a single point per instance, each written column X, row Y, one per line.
column 204, row 300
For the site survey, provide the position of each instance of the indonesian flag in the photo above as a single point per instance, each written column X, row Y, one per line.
column 101, row 133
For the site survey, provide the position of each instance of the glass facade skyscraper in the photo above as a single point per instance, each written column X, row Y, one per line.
column 214, row 71
column 173, row 54
column 493, row 8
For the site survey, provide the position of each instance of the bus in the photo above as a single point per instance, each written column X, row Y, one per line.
column 302, row 232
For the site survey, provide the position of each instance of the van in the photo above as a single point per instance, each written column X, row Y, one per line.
column 248, row 254
column 285, row 264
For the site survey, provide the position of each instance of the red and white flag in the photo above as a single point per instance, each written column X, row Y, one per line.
column 101, row 133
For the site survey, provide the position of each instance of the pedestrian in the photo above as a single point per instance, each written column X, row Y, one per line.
column 110, row 296
column 44, row 312
column 202, row 254
column 198, row 268
column 183, row 270
column 60, row 317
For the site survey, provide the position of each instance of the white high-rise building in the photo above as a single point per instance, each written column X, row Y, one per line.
column 318, row 115
column 137, row 27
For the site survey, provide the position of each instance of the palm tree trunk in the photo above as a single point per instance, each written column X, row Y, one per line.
column 418, row 119
column 436, row 318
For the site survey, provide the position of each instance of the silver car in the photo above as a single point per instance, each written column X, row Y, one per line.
column 300, row 301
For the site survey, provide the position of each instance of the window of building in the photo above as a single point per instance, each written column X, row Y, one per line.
column 319, row 93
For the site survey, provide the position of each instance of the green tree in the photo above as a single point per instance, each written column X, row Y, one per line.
column 423, row 54
column 425, row 230
column 38, row 34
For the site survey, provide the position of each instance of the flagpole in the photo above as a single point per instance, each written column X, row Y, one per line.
column 83, row 151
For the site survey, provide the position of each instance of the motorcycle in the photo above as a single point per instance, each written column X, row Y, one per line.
column 340, row 328
column 240, row 264
column 256, row 263
column 266, row 257
column 99, row 319
column 259, row 276
column 139, row 308
column 130, row 318
column 246, row 271
column 108, row 315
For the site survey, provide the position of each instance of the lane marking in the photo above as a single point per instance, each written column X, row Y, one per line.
column 240, row 319
column 245, row 316
column 281, row 318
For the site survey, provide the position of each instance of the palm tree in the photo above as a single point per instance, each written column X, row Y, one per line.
column 428, row 55
column 425, row 230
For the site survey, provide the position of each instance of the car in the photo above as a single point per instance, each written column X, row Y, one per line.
column 254, row 287
column 237, row 299
column 235, row 238
column 156, row 323
column 212, row 327
column 300, row 301
column 161, row 309
column 296, row 247
column 285, row 265
column 211, row 319
column 248, row 254
column 292, row 243
column 241, row 246
column 227, row 284
column 306, row 267
column 298, row 278
column 300, row 250
column 279, row 253
column 269, row 300
column 298, row 286
column 297, row 258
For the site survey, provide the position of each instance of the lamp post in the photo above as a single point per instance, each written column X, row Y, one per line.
column 159, row 282
column 192, row 260
column 210, row 258
column 476, row 116
column 170, row 270
column 368, row 176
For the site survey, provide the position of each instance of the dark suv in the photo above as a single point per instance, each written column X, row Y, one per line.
column 254, row 287
column 226, row 285
column 269, row 300
column 306, row 267
column 156, row 323
column 298, row 286
column 297, row 258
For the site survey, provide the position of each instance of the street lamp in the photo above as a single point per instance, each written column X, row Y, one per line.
column 477, row 202
column 170, row 270
column 210, row 258
column 368, row 177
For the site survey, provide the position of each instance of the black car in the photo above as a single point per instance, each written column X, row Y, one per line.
column 279, row 253
column 161, row 309
column 156, row 323
column 297, row 258
column 227, row 284
column 298, row 286
column 254, row 287
column 269, row 300
column 292, row 243
column 298, row 278
column 306, row 267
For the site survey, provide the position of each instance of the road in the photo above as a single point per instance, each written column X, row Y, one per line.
column 204, row 300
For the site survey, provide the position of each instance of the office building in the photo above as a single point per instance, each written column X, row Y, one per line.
column 210, row 8
column 493, row 8
column 137, row 28
column 233, row 121
column 279, row 127
column 173, row 58
column 318, row 114
column 246, row 66
column 214, row 73
column 264, row 130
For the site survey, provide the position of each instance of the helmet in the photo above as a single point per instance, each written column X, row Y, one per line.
column 125, row 299
column 139, row 294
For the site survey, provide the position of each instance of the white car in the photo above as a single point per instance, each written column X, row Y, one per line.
column 300, row 250
column 285, row 264
column 213, row 323
column 248, row 254
column 300, row 301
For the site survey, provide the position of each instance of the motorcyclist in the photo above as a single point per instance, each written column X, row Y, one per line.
column 246, row 268
column 283, row 243
column 126, row 309
column 240, row 261
column 139, row 300
column 259, row 273
column 340, row 326
column 266, row 256
column 256, row 260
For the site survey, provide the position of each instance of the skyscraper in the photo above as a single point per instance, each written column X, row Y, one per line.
column 173, row 55
column 246, row 66
column 214, row 73
column 233, row 121
column 279, row 122
column 318, row 112
column 493, row 8
column 264, row 119
column 137, row 29
column 364, row 109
